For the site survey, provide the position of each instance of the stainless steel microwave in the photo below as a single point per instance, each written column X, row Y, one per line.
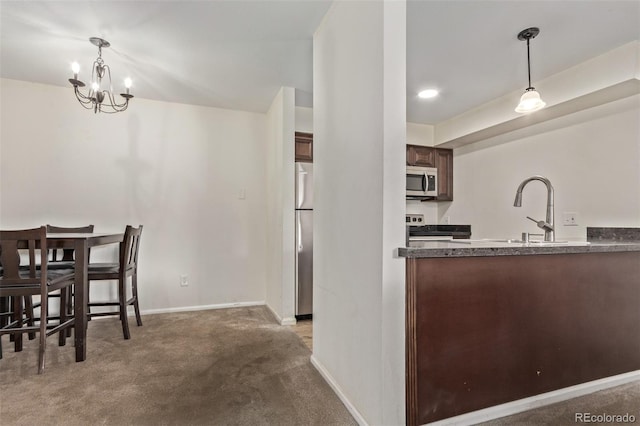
column 422, row 182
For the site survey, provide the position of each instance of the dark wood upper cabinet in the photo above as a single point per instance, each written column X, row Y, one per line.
column 444, row 163
column 423, row 156
column 304, row 147
column 442, row 159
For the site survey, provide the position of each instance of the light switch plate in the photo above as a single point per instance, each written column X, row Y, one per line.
column 184, row 280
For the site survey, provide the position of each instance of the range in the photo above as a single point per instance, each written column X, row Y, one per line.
column 418, row 231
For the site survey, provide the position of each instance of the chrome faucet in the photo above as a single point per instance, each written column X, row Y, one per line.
column 546, row 225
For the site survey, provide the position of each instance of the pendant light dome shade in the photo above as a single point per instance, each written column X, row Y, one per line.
column 530, row 101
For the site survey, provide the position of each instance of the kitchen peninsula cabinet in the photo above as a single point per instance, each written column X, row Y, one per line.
column 489, row 323
column 304, row 147
column 442, row 159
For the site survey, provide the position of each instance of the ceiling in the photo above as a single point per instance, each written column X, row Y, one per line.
column 237, row 54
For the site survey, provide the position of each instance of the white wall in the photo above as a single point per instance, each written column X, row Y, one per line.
column 592, row 159
column 280, row 206
column 420, row 134
column 182, row 171
column 359, row 175
column 304, row 119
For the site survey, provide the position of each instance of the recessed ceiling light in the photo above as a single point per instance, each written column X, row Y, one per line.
column 427, row 94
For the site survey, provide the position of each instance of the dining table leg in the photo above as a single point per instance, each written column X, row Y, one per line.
column 81, row 287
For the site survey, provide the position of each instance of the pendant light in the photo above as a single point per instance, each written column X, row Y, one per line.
column 530, row 100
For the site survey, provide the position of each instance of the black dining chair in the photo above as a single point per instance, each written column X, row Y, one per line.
column 19, row 282
column 126, row 268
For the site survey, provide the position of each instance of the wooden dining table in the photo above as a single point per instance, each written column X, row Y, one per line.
column 81, row 243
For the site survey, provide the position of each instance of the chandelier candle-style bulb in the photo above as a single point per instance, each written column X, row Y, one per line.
column 127, row 84
column 75, row 67
column 99, row 100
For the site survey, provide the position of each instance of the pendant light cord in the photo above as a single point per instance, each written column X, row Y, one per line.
column 528, row 64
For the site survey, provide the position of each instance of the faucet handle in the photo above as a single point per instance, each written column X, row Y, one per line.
column 541, row 224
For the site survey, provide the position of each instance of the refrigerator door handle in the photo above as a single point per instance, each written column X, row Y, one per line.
column 299, row 233
column 301, row 186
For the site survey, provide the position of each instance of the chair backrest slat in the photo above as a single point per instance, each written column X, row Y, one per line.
column 129, row 248
column 10, row 258
column 32, row 258
column 11, row 242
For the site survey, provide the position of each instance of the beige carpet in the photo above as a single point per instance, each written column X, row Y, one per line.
column 617, row 401
column 217, row 367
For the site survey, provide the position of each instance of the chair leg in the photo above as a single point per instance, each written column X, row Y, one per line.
column 4, row 319
column 28, row 307
column 62, row 335
column 69, row 307
column 134, row 291
column 43, row 333
column 4, row 309
column 18, row 316
column 122, row 299
column 88, row 302
column 12, row 337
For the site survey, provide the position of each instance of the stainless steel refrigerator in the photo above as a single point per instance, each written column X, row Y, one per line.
column 304, row 240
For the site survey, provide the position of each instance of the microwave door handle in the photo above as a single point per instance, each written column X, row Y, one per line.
column 424, row 182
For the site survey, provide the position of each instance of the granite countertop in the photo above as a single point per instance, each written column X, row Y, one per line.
column 471, row 248
column 599, row 240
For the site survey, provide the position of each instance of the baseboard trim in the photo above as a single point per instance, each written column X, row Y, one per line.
column 538, row 401
column 281, row 321
column 289, row 321
column 202, row 307
column 338, row 390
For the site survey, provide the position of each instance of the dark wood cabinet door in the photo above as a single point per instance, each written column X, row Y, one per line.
column 423, row 156
column 444, row 163
column 304, row 147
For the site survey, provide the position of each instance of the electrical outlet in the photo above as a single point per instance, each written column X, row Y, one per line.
column 446, row 220
column 570, row 219
column 184, row 280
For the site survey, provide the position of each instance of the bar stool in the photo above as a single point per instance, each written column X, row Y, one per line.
column 120, row 272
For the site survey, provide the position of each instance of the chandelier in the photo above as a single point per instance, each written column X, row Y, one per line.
column 100, row 97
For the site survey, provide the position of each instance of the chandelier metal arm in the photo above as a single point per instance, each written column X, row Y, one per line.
column 113, row 104
column 85, row 101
